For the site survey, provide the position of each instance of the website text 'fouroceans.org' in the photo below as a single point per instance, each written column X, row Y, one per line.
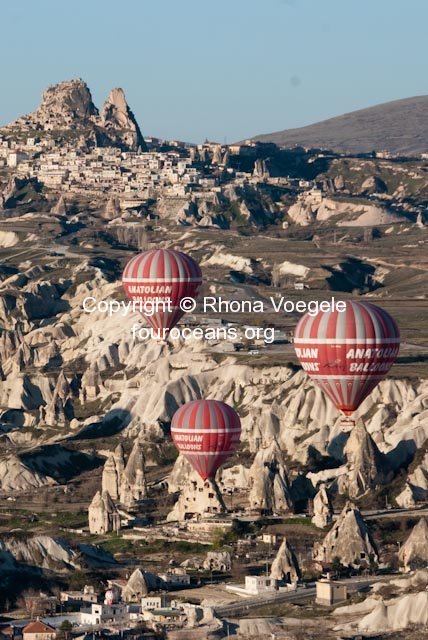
column 152, row 307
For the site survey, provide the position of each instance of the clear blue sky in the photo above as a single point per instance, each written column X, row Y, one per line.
column 221, row 69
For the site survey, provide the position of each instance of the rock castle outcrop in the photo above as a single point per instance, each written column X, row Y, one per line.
column 116, row 116
column 68, row 107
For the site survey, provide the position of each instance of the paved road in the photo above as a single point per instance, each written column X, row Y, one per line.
column 242, row 606
column 301, row 595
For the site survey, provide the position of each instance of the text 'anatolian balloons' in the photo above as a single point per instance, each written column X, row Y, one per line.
column 206, row 432
column 158, row 276
column 347, row 353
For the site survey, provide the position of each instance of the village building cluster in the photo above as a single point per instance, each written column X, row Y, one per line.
column 168, row 168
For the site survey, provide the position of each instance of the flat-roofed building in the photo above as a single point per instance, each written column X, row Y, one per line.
column 260, row 584
column 330, row 592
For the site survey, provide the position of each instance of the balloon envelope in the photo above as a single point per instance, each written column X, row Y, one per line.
column 347, row 353
column 159, row 276
column 206, row 432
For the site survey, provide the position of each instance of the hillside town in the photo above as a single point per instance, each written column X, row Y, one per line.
column 140, row 174
column 72, row 150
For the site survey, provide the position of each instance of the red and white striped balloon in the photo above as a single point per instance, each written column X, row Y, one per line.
column 157, row 276
column 206, row 432
column 347, row 353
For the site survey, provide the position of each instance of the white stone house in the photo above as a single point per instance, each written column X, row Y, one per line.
column 103, row 613
column 151, row 602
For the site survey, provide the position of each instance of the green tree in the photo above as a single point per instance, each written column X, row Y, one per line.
column 66, row 625
column 337, row 566
column 65, row 628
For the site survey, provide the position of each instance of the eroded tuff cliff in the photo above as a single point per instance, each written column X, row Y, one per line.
column 135, row 387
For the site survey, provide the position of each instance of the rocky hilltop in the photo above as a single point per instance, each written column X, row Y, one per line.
column 67, row 111
column 63, row 105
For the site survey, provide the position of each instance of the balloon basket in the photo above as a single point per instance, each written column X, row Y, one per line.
column 347, row 424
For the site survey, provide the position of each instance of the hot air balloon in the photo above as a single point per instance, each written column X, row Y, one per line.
column 206, row 432
column 162, row 277
column 347, row 353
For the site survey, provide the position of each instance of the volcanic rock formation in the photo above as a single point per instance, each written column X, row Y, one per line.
column 67, row 109
column 102, row 514
column 111, row 210
column 365, row 463
column 285, row 566
column 64, row 103
column 323, row 509
column 126, row 483
column 349, row 541
column 60, row 207
column 116, row 116
column 133, row 485
column 407, row 611
column 269, row 485
column 43, row 552
column 198, row 498
column 218, row 561
column 414, row 552
column 136, row 587
column 140, row 583
column 92, row 383
column 416, row 487
column 112, row 473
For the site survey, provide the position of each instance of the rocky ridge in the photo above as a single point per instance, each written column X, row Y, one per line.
column 398, row 126
column 42, row 552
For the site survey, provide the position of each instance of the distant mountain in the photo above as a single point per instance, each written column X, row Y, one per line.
column 400, row 126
